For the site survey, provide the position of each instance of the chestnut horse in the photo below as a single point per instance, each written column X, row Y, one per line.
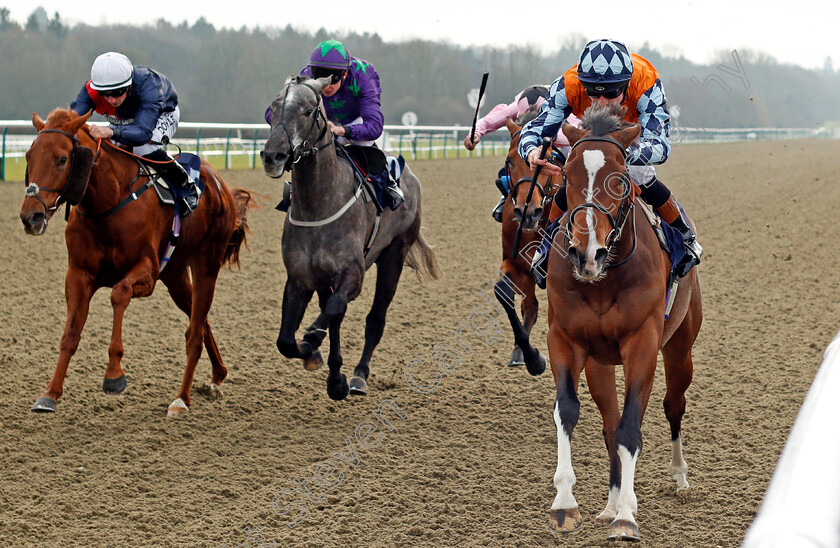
column 529, row 220
column 115, row 238
column 606, row 287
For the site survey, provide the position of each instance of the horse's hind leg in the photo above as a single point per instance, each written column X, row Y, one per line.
column 139, row 282
column 78, row 292
column 295, row 300
column 346, row 290
column 679, row 370
column 315, row 333
column 181, row 290
column 389, row 266
column 202, row 299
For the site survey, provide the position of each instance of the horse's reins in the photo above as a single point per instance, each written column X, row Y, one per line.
column 624, row 213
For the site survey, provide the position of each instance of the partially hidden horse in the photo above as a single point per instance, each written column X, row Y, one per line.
column 117, row 235
column 331, row 236
column 607, row 288
column 529, row 219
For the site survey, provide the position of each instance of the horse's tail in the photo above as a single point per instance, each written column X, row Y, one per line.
column 242, row 201
column 421, row 257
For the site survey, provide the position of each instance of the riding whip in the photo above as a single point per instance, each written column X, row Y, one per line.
column 478, row 105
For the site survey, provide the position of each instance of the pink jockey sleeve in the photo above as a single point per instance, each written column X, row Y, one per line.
column 494, row 119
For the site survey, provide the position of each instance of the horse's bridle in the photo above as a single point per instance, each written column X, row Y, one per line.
column 33, row 190
column 301, row 151
column 625, row 207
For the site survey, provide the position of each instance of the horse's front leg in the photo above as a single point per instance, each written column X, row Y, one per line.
column 638, row 353
column 78, row 290
column 347, row 289
column 566, row 365
column 600, row 379
column 295, row 300
column 138, row 282
column 509, row 285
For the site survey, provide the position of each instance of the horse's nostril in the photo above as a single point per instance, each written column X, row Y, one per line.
column 601, row 255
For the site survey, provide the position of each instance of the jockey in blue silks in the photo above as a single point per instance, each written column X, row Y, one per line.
column 141, row 106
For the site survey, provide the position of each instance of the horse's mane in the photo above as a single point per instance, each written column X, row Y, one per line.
column 603, row 120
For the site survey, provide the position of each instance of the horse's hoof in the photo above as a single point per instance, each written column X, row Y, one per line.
column 537, row 368
column 565, row 521
column 623, row 529
column 44, row 405
column 338, row 389
column 114, row 386
column 176, row 408
column 516, row 357
column 604, row 519
column 313, row 362
column 215, row 392
column 358, row 386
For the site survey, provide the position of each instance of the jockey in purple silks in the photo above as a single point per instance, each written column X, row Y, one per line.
column 141, row 107
column 354, row 112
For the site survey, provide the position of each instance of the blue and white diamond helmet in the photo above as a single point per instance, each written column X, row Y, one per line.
column 111, row 70
column 606, row 64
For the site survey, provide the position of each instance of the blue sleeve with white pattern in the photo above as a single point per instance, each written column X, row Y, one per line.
column 552, row 114
column 653, row 146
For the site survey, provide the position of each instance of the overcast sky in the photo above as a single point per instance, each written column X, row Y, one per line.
column 801, row 32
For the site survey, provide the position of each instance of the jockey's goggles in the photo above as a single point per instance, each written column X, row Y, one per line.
column 600, row 90
column 334, row 74
column 119, row 92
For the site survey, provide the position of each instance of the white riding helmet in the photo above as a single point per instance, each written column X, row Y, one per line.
column 111, row 70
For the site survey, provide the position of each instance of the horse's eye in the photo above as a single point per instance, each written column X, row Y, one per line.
column 62, row 161
column 308, row 112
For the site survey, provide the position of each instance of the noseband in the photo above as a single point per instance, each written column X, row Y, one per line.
column 625, row 207
column 33, row 190
column 305, row 149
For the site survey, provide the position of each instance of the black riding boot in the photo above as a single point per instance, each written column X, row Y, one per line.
column 395, row 193
column 175, row 175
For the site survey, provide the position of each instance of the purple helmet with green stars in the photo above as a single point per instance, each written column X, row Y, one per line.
column 330, row 54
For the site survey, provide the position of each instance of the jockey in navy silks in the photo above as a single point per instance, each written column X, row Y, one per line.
column 354, row 112
column 141, row 106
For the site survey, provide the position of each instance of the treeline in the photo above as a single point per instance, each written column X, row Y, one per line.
column 225, row 75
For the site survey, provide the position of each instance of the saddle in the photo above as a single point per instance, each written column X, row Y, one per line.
column 369, row 167
column 172, row 195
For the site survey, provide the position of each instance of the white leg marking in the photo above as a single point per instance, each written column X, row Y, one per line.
column 626, row 505
column 678, row 468
column 610, row 510
column 176, row 407
column 564, row 477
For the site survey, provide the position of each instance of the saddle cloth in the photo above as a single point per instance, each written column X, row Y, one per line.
column 173, row 195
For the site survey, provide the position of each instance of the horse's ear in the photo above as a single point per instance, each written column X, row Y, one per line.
column 37, row 122
column 78, row 122
column 320, row 83
column 511, row 125
column 572, row 133
column 628, row 135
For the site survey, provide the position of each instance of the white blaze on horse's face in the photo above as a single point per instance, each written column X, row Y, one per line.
column 593, row 160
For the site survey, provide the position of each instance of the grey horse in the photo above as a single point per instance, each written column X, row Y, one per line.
column 332, row 236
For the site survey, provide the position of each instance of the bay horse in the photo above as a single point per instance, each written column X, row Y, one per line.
column 606, row 286
column 331, row 236
column 532, row 217
column 116, row 235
